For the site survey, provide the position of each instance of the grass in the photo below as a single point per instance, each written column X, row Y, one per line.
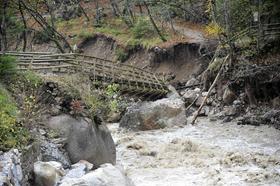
column 112, row 27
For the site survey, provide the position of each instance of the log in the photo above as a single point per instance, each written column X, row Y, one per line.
column 209, row 91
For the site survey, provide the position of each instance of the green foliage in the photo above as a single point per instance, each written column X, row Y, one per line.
column 143, row 28
column 85, row 34
column 108, row 30
column 121, row 54
column 215, row 65
column 12, row 134
column 213, row 29
column 7, row 65
column 41, row 37
column 32, row 79
column 239, row 11
column 112, row 92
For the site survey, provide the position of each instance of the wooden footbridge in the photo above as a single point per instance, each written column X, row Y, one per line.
column 132, row 80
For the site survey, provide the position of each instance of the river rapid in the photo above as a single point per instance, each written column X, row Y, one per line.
column 209, row 153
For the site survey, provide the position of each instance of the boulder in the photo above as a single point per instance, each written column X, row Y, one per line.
column 106, row 175
column 192, row 82
column 228, row 96
column 114, row 117
column 78, row 170
column 155, row 115
column 48, row 173
column 172, row 92
column 10, row 168
column 190, row 95
column 85, row 140
column 276, row 102
column 50, row 152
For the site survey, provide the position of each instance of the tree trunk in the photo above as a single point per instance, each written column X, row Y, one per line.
column 24, row 33
column 3, row 31
column 53, row 34
column 250, row 93
column 154, row 24
column 83, row 10
column 228, row 30
column 115, row 8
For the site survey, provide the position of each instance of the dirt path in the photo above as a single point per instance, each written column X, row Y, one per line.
column 210, row 153
column 193, row 35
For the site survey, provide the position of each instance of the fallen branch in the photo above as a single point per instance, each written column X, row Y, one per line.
column 209, row 91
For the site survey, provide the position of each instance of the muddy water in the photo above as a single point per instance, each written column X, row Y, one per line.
column 210, row 153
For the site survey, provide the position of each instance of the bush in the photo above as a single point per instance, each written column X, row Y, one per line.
column 121, row 54
column 11, row 133
column 7, row 65
column 41, row 37
column 143, row 28
column 32, row 80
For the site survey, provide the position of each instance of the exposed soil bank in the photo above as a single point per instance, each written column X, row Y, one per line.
column 181, row 60
column 211, row 153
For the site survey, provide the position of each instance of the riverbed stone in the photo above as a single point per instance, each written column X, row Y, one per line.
column 106, row 175
column 10, row 168
column 228, row 96
column 155, row 115
column 48, row 173
column 51, row 152
column 191, row 95
column 85, row 140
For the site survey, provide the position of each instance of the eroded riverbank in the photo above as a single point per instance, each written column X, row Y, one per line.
column 210, row 153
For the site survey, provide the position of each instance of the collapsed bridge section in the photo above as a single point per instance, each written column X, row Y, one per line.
column 131, row 80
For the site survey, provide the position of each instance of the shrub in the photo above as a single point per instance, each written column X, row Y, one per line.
column 32, row 79
column 12, row 134
column 7, row 65
column 143, row 28
column 85, row 34
column 41, row 37
column 121, row 54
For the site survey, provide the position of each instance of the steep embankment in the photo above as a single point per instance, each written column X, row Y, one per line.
column 178, row 61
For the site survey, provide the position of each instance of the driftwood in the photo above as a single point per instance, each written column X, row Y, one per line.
column 209, row 91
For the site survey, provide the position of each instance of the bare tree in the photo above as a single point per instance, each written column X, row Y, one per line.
column 53, row 34
column 24, row 33
column 153, row 23
column 3, row 33
column 115, row 8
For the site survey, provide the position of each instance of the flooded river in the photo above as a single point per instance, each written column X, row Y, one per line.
column 209, row 153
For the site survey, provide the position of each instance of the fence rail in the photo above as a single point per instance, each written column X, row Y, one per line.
column 131, row 79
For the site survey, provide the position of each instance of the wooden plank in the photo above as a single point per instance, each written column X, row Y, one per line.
column 46, row 67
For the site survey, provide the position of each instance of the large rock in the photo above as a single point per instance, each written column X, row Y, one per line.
column 50, row 152
column 106, row 175
column 78, row 170
column 191, row 95
column 228, row 96
column 10, row 168
column 85, row 140
column 155, row 115
column 48, row 173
